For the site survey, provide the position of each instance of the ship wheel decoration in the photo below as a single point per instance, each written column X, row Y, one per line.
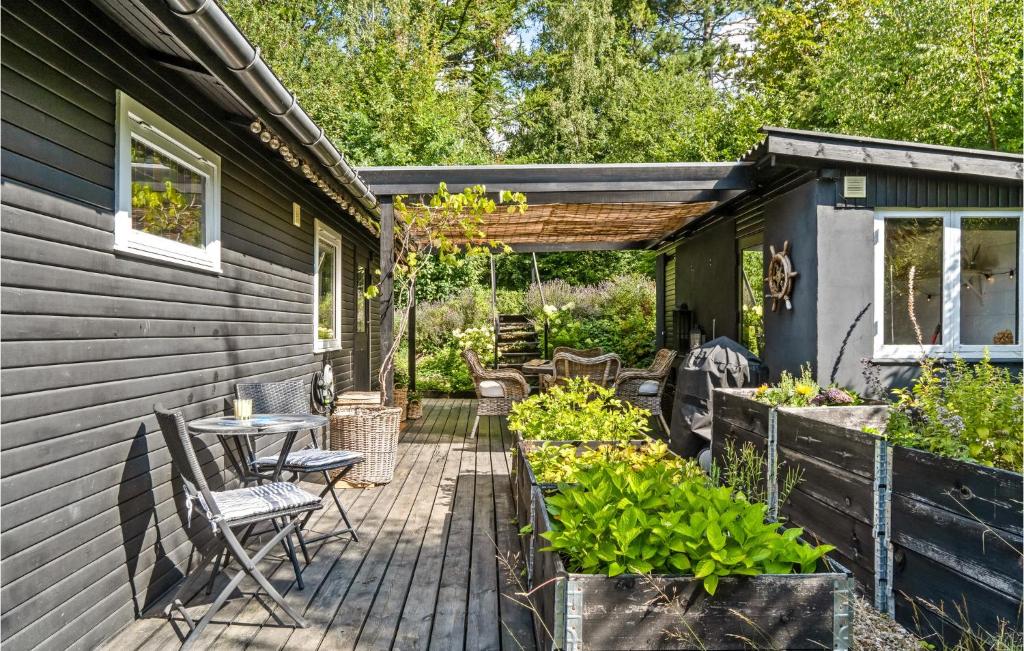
column 780, row 277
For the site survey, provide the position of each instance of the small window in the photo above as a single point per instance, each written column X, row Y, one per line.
column 965, row 293
column 326, row 288
column 167, row 191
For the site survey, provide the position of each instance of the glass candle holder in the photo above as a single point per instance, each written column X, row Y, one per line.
column 243, row 409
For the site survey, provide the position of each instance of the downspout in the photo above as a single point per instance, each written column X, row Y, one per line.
column 216, row 29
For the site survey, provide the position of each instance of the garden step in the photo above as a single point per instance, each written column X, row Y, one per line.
column 526, row 337
column 513, row 318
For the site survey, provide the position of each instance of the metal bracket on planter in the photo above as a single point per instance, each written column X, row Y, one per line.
column 842, row 613
column 772, row 478
column 573, row 616
column 881, row 528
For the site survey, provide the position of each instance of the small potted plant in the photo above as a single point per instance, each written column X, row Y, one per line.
column 414, row 408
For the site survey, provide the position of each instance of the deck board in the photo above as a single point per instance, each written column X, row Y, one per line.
column 425, row 574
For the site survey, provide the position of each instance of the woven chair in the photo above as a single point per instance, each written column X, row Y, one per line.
column 281, row 503
column 643, row 386
column 579, row 352
column 601, row 370
column 290, row 397
column 496, row 390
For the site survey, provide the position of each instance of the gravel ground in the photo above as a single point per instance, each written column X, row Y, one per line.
column 873, row 631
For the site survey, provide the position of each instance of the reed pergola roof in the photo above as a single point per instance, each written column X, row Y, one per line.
column 581, row 207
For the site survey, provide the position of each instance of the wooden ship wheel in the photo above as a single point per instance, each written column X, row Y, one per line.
column 780, row 277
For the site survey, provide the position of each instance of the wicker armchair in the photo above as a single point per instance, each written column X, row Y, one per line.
column 496, row 390
column 643, row 386
column 600, row 370
column 579, row 352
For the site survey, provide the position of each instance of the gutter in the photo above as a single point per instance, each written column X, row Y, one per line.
column 216, row 29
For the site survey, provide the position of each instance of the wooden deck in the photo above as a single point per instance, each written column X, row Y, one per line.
column 425, row 573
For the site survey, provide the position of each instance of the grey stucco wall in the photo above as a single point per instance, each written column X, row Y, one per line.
column 791, row 336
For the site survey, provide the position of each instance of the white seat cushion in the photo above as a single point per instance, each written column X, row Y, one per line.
column 264, row 499
column 648, row 388
column 313, row 459
column 491, row 389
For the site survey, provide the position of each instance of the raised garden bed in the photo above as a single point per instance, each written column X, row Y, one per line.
column 579, row 612
column 921, row 533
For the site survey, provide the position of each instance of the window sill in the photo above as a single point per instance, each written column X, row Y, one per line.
column 204, row 265
column 903, row 360
column 319, row 347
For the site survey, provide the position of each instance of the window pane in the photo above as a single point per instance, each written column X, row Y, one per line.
column 361, row 299
column 989, row 250
column 326, row 312
column 167, row 197
column 913, row 244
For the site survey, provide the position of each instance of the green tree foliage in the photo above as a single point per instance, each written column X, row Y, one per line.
column 940, row 71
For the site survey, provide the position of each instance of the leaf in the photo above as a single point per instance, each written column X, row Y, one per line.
column 711, row 583
column 715, row 536
column 704, row 568
column 615, row 569
column 526, row 529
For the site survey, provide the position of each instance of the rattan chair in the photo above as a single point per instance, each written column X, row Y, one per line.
column 496, row 390
column 280, row 503
column 291, row 397
column 601, row 370
column 579, row 352
column 643, row 386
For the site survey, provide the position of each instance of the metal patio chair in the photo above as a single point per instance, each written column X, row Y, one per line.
column 643, row 386
column 291, row 397
column 496, row 390
column 601, row 370
column 280, row 503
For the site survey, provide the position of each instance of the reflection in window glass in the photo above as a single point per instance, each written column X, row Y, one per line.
column 989, row 250
column 326, row 327
column 361, row 299
column 167, row 197
column 916, row 244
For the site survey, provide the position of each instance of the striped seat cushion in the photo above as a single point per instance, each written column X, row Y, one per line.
column 312, row 459
column 265, row 499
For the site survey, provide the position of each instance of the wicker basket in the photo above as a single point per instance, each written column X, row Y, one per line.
column 401, row 399
column 372, row 431
column 414, row 411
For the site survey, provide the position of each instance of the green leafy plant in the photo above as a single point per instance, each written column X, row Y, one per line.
column 618, row 519
column 965, row 411
column 553, row 464
column 744, row 471
column 804, row 391
column 579, row 410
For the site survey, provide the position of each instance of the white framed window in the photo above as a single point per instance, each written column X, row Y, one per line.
column 326, row 287
column 167, row 191
column 967, row 289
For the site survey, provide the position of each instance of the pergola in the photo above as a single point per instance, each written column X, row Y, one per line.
column 571, row 207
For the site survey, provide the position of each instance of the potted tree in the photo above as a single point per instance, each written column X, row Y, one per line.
column 414, row 408
column 444, row 225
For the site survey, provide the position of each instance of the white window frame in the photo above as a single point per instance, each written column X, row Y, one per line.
column 951, row 285
column 323, row 232
column 136, row 121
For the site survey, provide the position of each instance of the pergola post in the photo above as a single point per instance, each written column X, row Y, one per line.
column 387, row 293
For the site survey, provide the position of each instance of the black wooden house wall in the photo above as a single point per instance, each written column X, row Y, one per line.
column 92, row 521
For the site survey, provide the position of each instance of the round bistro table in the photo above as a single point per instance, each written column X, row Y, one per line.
column 244, row 432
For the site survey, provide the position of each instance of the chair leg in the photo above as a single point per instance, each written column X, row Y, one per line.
column 286, row 541
column 337, row 501
column 476, row 424
column 664, row 425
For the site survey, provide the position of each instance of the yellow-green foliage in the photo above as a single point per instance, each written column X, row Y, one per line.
column 553, row 464
column 579, row 411
column 617, row 518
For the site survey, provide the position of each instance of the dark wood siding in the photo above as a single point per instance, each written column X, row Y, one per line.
column 93, row 524
column 894, row 189
column 670, row 300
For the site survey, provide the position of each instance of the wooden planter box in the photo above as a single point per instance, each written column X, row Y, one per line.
column 921, row 533
column 835, row 501
column 956, row 534
column 583, row 612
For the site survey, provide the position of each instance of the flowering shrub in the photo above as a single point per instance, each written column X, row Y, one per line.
column 553, row 464
column 965, row 411
column 618, row 518
column 578, row 411
column 804, row 391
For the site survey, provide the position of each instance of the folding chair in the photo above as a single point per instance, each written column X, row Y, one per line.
column 291, row 397
column 280, row 503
